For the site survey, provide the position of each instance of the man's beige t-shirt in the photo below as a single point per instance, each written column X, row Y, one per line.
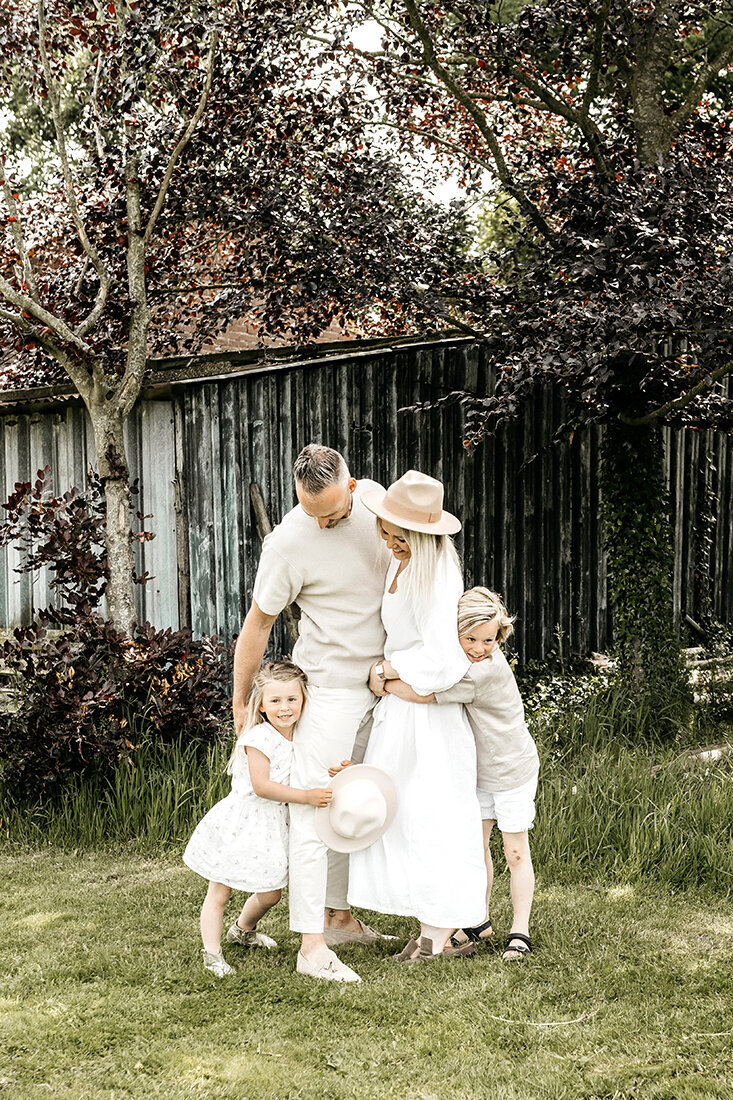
column 336, row 577
column 506, row 755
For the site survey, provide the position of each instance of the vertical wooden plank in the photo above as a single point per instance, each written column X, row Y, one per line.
column 180, row 498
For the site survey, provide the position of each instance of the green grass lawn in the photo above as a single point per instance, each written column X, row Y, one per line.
column 627, row 995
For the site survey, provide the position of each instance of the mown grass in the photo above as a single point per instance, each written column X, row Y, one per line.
column 627, row 996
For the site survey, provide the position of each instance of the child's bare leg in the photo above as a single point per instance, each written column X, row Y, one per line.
column 255, row 908
column 212, row 916
column 487, row 826
column 519, row 860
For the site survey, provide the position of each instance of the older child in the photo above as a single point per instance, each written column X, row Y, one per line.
column 242, row 842
column 507, row 760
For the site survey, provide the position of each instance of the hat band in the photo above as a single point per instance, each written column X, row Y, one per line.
column 412, row 513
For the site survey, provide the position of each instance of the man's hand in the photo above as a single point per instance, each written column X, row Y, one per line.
column 376, row 683
column 339, row 767
column 318, row 796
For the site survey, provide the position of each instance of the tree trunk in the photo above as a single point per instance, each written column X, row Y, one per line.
column 115, row 475
column 639, row 542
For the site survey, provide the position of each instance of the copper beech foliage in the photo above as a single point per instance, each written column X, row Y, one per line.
column 605, row 130
column 214, row 167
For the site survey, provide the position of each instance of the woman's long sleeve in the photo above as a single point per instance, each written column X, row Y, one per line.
column 438, row 661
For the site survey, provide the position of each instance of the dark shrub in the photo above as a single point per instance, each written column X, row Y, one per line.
column 88, row 695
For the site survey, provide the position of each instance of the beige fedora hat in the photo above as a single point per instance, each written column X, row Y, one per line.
column 363, row 806
column 415, row 503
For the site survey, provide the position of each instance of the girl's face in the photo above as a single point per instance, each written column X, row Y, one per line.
column 478, row 643
column 282, row 704
column 392, row 535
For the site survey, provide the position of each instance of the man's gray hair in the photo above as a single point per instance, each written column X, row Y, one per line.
column 316, row 468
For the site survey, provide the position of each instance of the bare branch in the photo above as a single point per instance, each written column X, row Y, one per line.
column 699, row 86
column 160, row 200
column 480, row 120
column 596, row 60
column 458, row 150
column 16, row 230
column 77, row 374
column 683, row 401
column 585, row 124
column 33, row 309
column 69, row 188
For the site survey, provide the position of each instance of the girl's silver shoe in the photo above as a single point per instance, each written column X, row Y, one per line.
column 249, row 939
column 216, row 964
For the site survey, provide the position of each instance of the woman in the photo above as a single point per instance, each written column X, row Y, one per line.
column 429, row 864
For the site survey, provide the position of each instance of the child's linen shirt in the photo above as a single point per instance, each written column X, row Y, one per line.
column 506, row 755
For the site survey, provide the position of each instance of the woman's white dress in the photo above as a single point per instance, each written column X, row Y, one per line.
column 243, row 840
column 429, row 864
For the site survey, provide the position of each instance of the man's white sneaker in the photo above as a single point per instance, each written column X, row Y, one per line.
column 249, row 939
column 329, row 967
column 216, row 964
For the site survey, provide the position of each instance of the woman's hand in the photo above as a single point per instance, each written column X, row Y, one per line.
column 318, row 796
column 339, row 767
column 376, row 683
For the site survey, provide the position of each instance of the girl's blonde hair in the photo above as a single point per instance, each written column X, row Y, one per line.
column 425, row 553
column 280, row 671
column 480, row 605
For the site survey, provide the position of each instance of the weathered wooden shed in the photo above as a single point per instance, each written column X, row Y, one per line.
column 206, row 428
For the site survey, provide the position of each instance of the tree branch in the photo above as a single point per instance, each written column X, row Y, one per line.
column 596, row 60
column 160, row 200
column 705, row 75
column 458, row 150
column 479, row 118
column 682, row 401
column 104, row 280
column 16, row 230
column 581, row 119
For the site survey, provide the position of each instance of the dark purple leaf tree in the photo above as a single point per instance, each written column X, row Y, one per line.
column 213, row 166
column 603, row 131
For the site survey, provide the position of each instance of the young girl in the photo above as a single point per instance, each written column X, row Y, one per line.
column 507, row 760
column 242, row 842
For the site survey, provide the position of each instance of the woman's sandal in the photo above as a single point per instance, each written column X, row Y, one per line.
column 426, row 954
column 473, row 935
column 513, row 949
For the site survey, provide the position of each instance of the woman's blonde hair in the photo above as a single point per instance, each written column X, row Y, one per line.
column 480, row 605
column 425, row 553
column 280, row 671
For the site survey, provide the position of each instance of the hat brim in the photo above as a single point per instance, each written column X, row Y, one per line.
column 336, row 841
column 376, row 501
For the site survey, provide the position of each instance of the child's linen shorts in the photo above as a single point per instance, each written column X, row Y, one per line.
column 513, row 811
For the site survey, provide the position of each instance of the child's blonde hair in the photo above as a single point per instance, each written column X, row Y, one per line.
column 280, row 671
column 480, row 605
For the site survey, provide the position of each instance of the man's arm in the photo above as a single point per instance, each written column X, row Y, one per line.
column 248, row 654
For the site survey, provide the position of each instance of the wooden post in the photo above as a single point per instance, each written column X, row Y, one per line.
column 263, row 529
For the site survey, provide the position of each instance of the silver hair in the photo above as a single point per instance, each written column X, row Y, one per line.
column 317, row 467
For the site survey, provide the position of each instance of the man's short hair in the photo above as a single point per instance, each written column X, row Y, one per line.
column 316, row 468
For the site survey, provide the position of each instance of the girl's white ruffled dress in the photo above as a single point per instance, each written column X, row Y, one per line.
column 430, row 863
column 243, row 840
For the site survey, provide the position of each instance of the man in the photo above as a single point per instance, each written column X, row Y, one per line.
column 328, row 557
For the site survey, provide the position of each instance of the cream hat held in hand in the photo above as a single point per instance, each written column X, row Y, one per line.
column 415, row 503
column 362, row 808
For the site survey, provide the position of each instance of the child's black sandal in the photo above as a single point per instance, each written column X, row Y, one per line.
column 522, row 949
column 474, row 934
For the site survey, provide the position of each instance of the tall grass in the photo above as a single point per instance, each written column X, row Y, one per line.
column 608, row 806
column 155, row 800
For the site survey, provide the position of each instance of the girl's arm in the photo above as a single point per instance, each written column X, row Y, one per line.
column 259, row 770
column 404, row 691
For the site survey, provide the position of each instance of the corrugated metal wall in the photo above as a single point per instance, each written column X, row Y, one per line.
column 531, row 528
